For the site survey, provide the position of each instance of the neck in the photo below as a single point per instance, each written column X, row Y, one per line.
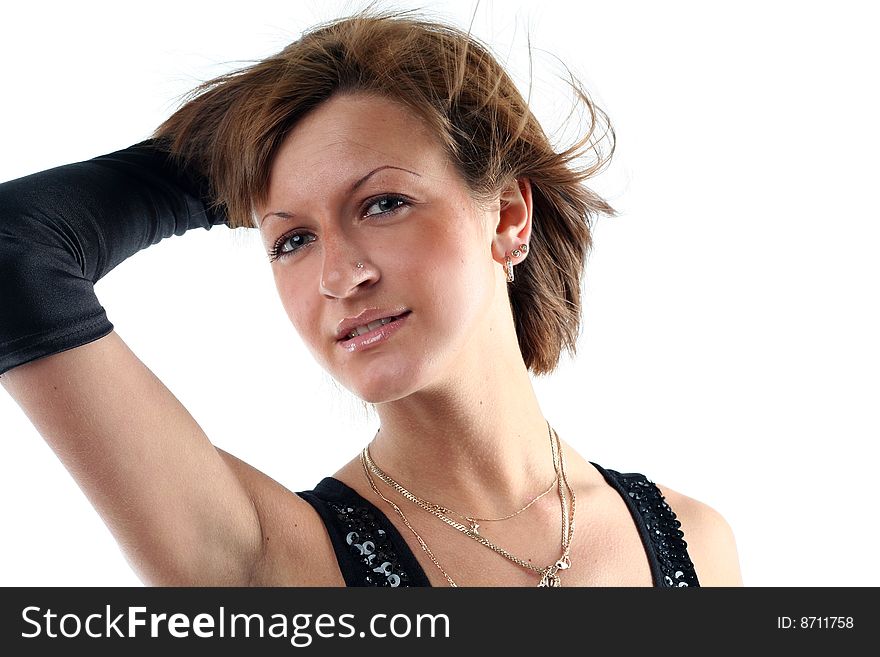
column 480, row 445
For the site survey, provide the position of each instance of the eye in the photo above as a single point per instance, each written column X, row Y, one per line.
column 290, row 243
column 384, row 205
column 295, row 240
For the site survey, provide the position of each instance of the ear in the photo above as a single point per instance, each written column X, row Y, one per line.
column 514, row 227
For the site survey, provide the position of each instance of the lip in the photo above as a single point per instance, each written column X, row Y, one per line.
column 375, row 337
column 366, row 316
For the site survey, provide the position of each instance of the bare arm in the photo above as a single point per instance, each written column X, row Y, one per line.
column 182, row 511
column 169, row 498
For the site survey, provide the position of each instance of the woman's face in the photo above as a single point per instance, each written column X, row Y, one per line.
column 361, row 180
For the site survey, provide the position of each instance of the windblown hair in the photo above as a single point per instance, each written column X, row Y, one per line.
column 231, row 128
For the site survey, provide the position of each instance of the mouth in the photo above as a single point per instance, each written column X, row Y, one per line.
column 372, row 326
column 382, row 330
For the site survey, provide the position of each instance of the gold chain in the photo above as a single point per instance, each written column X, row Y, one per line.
column 406, row 522
column 473, row 521
column 550, row 577
column 549, row 574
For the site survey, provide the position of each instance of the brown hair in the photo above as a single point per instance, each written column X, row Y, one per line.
column 232, row 126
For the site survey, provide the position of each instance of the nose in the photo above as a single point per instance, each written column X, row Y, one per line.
column 344, row 269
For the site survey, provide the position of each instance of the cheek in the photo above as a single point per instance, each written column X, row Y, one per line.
column 462, row 280
column 301, row 308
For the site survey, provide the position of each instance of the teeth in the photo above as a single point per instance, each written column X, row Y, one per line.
column 360, row 330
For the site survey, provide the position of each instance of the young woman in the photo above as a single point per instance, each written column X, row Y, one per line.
column 427, row 244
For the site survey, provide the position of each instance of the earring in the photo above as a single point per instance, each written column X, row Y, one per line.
column 516, row 253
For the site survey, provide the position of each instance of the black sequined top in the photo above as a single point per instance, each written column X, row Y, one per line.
column 371, row 552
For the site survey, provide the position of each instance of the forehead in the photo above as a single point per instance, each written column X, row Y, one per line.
column 348, row 135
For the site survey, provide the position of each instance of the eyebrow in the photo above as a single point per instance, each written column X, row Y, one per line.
column 358, row 183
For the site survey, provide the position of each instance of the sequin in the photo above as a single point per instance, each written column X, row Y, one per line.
column 667, row 540
column 370, row 547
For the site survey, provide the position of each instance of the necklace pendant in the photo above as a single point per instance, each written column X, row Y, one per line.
column 550, row 580
column 550, row 577
column 475, row 528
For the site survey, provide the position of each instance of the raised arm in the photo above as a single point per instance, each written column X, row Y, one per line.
column 182, row 510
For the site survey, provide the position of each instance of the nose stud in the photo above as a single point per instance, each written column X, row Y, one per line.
column 359, row 265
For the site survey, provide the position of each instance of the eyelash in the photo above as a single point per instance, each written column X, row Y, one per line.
column 275, row 253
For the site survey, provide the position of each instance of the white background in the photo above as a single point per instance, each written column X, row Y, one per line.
column 729, row 348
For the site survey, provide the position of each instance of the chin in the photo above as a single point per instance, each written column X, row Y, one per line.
column 380, row 385
column 381, row 391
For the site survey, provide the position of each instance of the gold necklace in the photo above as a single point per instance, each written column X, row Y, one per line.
column 549, row 574
column 475, row 527
column 406, row 522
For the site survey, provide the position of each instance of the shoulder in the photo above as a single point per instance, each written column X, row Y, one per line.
column 710, row 540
